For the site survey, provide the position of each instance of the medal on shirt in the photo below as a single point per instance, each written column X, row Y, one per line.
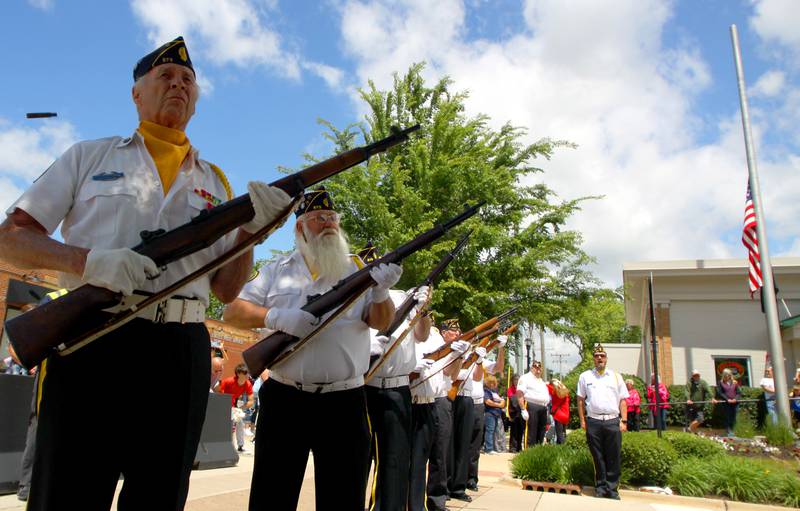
column 211, row 200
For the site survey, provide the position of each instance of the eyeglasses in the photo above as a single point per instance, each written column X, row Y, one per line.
column 323, row 218
column 599, row 355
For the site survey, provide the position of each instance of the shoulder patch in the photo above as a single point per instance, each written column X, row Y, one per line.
column 223, row 179
column 357, row 260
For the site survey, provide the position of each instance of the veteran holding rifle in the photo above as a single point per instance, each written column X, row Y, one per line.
column 104, row 193
column 320, row 389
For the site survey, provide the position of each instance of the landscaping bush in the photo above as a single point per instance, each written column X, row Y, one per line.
column 742, row 479
column 543, row 463
column 646, row 459
column 787, row 490
column 690, row 477
column 745, row 425
column 778, row 434
column 577, row 440
column 581, row 467
column 687, row 445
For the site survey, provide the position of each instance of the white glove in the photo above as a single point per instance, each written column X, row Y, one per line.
column 423, row 364
column 460, row 346
column 421, row 295
column 385, row 276
column 525, row 415
column 296, row 322
column 481, row 352
column 119, row 269
column 268, row 202
column 502, row 340
column 382, row 345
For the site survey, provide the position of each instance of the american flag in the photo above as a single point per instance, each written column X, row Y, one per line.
column 750, row 240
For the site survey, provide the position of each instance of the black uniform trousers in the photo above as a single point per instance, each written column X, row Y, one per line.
column 390, row 417
column 605, row 444
column 423, row 430
column 440, row 452
column 458, row 461
column 476, row 442
column 101, row 416
column 333, row 425
column 537, row 423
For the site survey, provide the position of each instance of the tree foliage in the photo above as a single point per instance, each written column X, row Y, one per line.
column 597, row 316
column 520, row 253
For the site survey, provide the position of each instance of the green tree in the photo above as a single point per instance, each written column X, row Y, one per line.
column 597, row 316
column 519, row 249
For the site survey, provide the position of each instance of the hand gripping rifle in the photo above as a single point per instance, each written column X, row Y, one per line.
column 279, row 346
column 489, row 343
column 73, row 320
column 408, row 305
column 469, row 335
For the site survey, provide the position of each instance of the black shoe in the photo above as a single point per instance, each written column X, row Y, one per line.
column 461, row 496
column 240, row 449
column 472, row 486
column 613, row 496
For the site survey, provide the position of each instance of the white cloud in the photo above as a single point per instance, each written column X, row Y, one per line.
column 45, row 5
column 25, row 152
column 769, row 84
column 226, row 32
column 604, row 79
column 777, row 21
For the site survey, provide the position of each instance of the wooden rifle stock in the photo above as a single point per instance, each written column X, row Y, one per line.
column 261, row 355
column 442, row 351
column 489, row 343
column 56, row 325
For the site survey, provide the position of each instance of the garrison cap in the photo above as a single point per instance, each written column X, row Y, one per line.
column 598, row 349
column 450, row 324
column 173, row 52
column 369, row 253
column 315, row 200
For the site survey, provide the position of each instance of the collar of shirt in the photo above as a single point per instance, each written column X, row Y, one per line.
column 137, row 138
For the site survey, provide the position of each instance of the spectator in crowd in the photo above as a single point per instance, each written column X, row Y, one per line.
column 696, row 390
column 559, row 408
column 728, row 393
column 634, row 401
column 663, row 397
column 602, row 408
column 768, row 386
column 516, row 406
column 12, row 364
column 493, row 411
column 538, row 399
column 217, row 366
column 512, row 388
column 241, row 391
column 794, row 402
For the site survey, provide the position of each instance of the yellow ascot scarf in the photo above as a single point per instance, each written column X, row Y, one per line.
column 168, row 148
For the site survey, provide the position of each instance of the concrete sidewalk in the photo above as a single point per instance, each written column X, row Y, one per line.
column 227, row 489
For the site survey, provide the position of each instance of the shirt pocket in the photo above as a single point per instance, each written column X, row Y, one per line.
column 284, row 297
column 111, row 206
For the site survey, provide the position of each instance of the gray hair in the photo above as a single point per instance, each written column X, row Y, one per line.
column 727, row 372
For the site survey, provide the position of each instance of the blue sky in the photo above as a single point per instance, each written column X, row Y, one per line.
column 645, row 88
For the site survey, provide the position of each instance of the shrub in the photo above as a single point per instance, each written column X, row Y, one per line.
column 687, row 445
column 542, row 463
column 576, row 440
column 745, row 425
column 646, row 459
column 581, row 467
column 787, row 490
column 742, row 479
column 778, row 434
column 690, row 477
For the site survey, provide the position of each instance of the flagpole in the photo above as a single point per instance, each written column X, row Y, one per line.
column 770, row 303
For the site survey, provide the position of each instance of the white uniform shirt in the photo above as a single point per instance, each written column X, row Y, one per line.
column 106, row 191
column 477, row 386
column 403, row 359
column 341, row 351
column 602, row 392
column 535, row 389
column 767, row 382
column 438, row 384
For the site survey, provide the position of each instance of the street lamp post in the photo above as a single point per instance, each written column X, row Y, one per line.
column 528, row 344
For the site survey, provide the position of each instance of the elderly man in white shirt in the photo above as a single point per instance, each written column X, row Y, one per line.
column 104, row 193
column 602, row 409
column 538, row 399
column 321, row 387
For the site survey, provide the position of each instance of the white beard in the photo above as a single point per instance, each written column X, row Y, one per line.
column 329, row 254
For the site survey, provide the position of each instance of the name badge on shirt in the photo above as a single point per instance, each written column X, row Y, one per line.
column 108, row 176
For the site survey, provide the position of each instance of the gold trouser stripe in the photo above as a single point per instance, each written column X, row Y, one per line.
column 374, row 437
column 42, row 373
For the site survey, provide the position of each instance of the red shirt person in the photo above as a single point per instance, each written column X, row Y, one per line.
column 237, row 385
